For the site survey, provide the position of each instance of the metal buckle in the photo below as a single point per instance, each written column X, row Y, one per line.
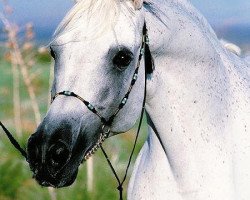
column 105, row 130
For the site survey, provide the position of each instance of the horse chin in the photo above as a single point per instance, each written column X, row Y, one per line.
column 69, row 181
column 58, row 181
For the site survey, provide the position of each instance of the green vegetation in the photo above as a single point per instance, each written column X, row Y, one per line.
column 16, row 181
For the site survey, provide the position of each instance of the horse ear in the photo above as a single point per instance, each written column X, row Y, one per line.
column 137, row 4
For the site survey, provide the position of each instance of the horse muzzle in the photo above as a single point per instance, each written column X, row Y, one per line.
column 50, row 158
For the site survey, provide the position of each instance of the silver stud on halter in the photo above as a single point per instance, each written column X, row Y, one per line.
column 142, row 51
column 67, row 93
column 90, row 106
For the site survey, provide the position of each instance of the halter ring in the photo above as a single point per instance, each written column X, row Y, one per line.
column 105, row 129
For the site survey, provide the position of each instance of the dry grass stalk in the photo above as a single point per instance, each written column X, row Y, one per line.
column 90, row 174
column 16, row 85
column 16, row 97
column 52, row 193
column 19, row 60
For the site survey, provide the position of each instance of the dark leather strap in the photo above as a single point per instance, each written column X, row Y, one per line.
column 13, row 141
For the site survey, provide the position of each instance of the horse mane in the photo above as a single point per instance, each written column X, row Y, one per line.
column 105, row 11
column 231, row 47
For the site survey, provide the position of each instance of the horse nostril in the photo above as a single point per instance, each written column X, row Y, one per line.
column 59, row 154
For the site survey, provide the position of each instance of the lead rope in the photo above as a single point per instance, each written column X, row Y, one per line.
column 13, row 141
column 120, row 183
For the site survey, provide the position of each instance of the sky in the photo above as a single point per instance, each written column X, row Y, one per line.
column 46, row 14
column 225, row 11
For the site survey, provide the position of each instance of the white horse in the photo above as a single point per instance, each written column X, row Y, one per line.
column 197, row 104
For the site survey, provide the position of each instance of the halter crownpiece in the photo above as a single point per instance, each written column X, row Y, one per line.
column 149, row 61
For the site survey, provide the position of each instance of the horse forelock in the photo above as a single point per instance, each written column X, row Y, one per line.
column 105, row 13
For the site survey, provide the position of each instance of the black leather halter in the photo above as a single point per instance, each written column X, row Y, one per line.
column 107, row 123
column 149, row 67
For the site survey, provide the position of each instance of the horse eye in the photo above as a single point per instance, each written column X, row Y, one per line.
column 123, row 59
column 52, row 53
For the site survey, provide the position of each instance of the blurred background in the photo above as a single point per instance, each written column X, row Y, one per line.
column 26, row 71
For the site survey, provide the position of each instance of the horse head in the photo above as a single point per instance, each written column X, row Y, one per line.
column 96, row 49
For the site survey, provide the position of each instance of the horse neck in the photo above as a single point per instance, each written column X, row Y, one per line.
column 188, row 90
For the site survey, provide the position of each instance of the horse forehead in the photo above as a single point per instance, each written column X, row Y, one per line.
column 125, row 29
column 78, row 44
column 74, row 45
